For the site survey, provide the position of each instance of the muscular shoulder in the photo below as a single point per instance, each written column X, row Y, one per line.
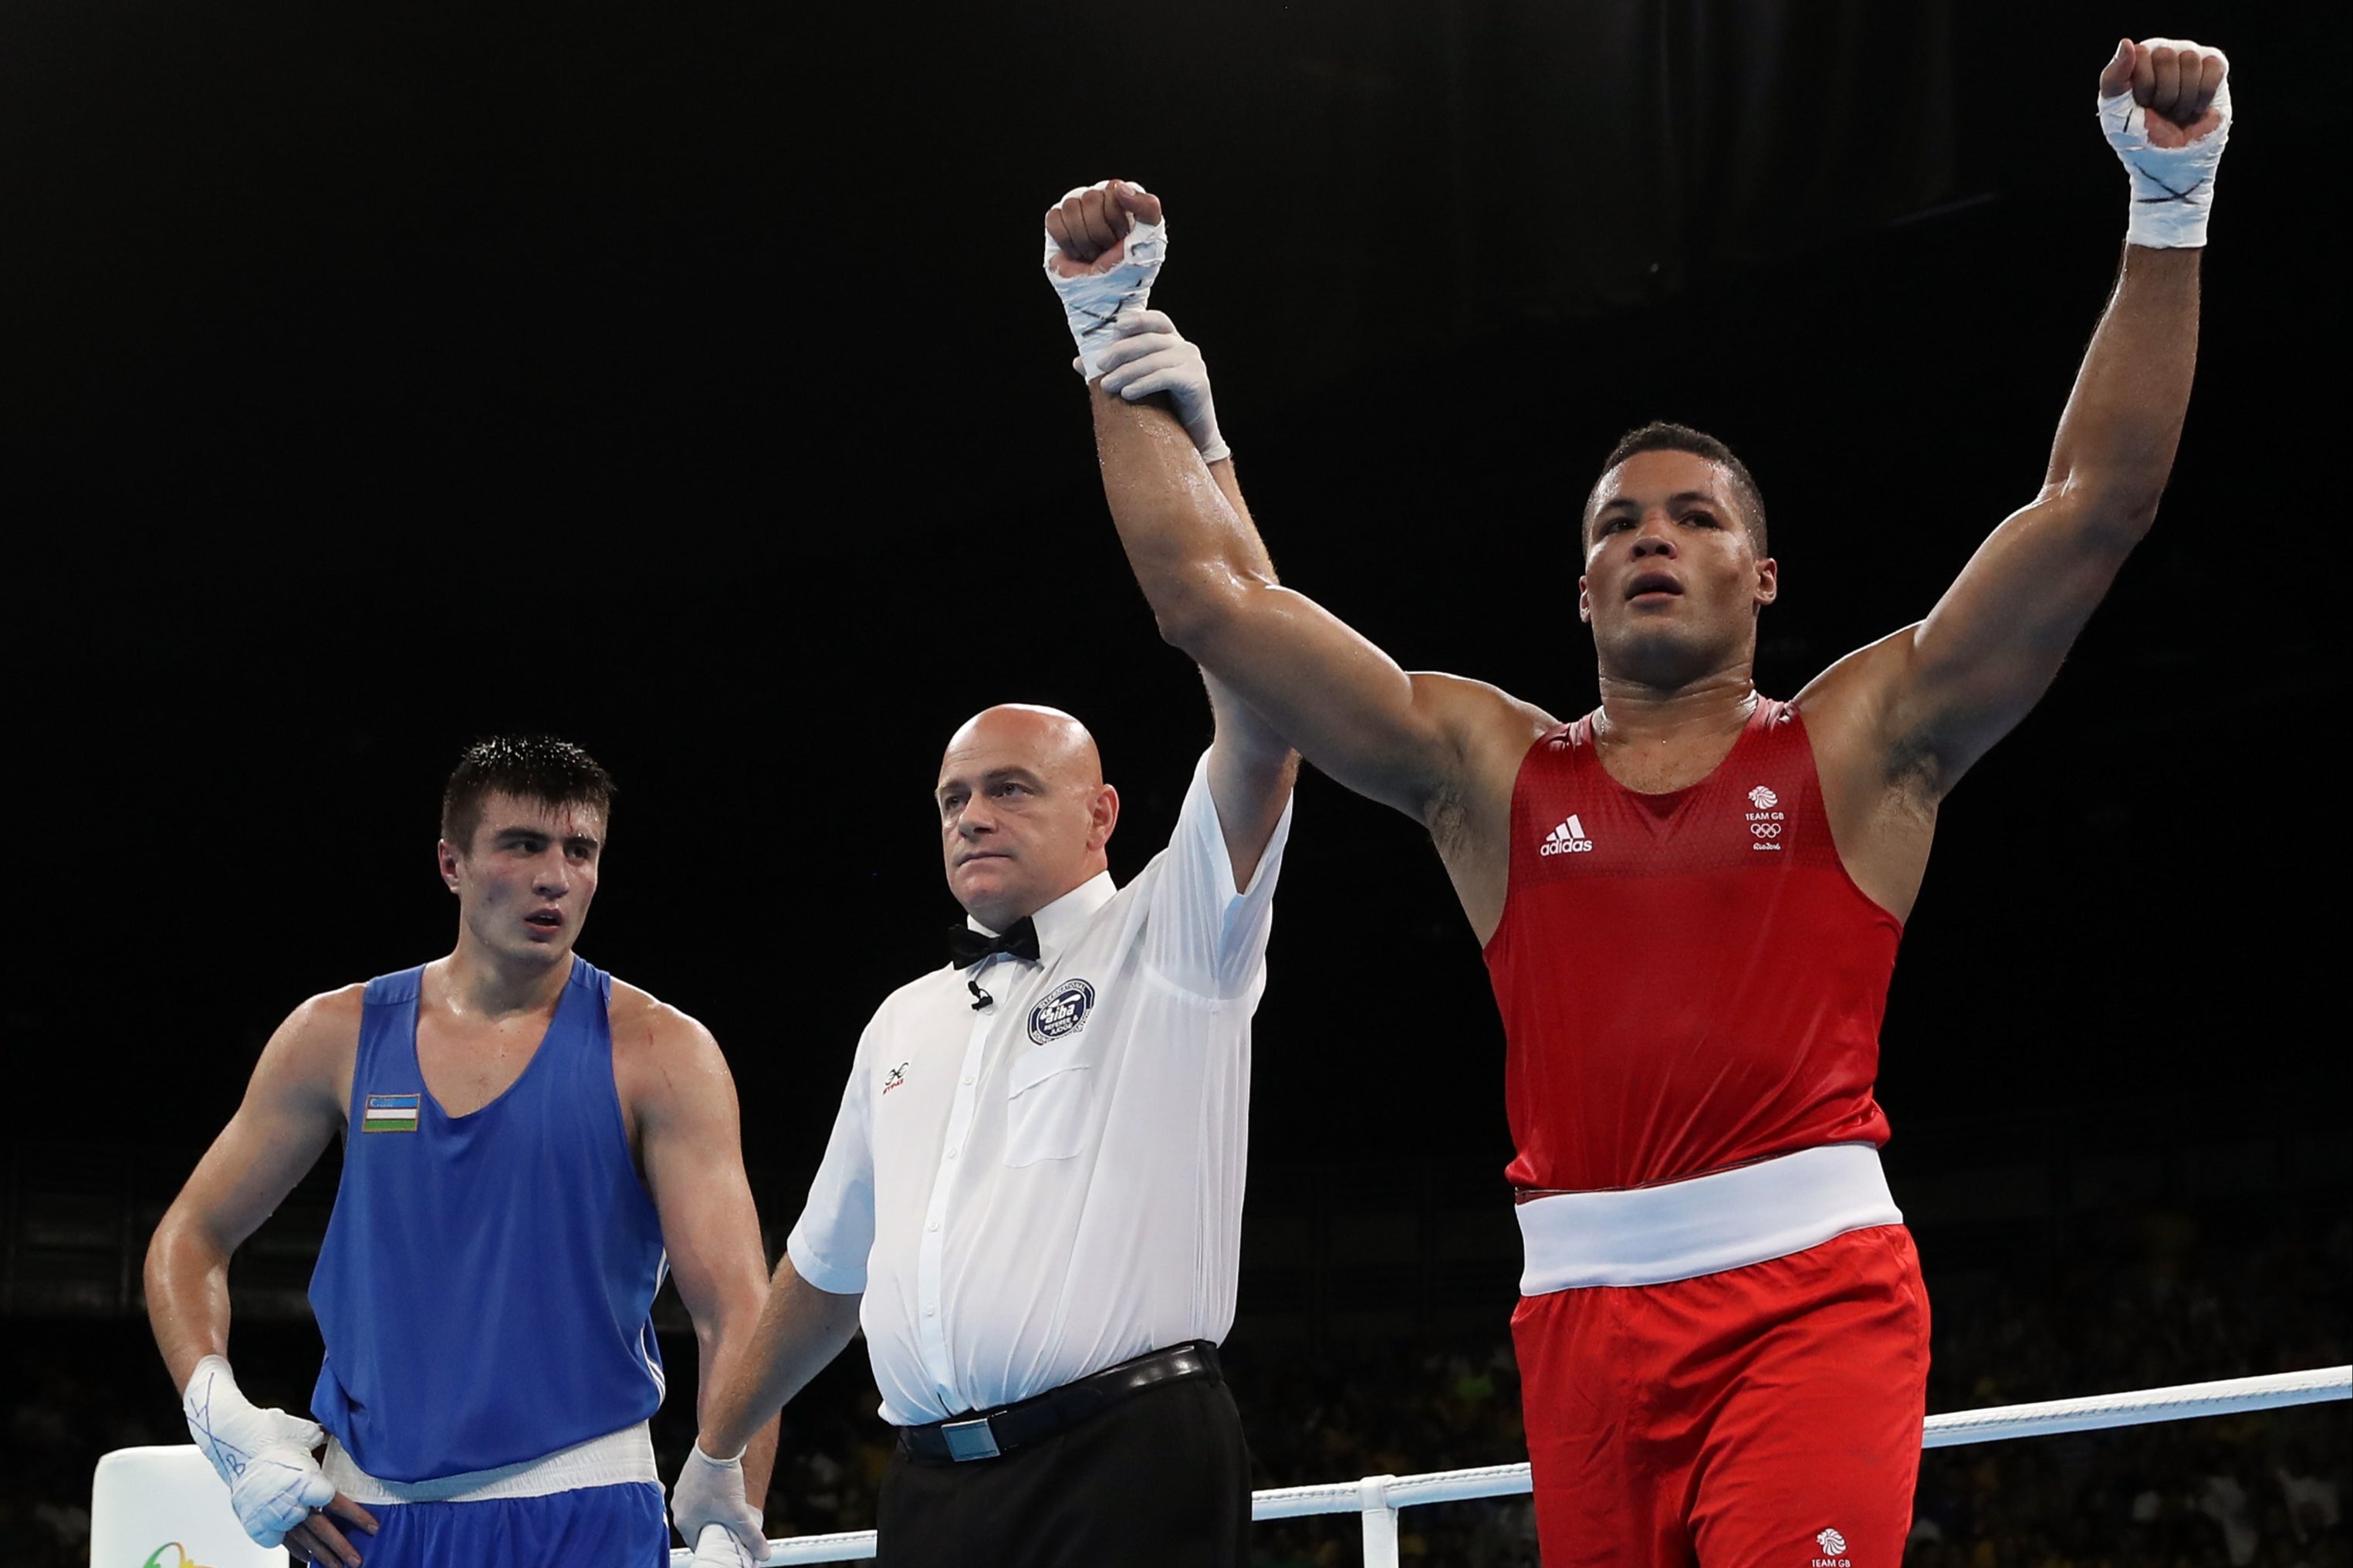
column 323, row 1033
column 665, row 1065
column 329, row 1017
column 1851, row 710
column 1488, row 731
column 643, row 1024
column 307, row 1066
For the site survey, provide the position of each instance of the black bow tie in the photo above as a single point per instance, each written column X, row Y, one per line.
column 968, row 947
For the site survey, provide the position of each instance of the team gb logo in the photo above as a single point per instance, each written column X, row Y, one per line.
column 1764, row 799
column 1833, row 1544
column 1064, row 1012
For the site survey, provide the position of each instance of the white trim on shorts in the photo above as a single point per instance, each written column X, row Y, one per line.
column 1703, row 1224
column 614, row 1459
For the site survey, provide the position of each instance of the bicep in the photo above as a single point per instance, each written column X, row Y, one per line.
column 291, row 1109
column 1348, row 706
column 693, row 1149
column 1987, row 651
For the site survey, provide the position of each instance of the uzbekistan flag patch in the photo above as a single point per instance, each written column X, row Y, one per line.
column 389, row 1113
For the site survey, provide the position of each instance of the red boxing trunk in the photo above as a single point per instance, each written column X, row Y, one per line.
column 1761, row 1417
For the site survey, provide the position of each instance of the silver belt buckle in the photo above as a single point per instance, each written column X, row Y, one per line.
column 970, row 1440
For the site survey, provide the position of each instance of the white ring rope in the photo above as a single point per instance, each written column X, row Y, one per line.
column 1377, row 1495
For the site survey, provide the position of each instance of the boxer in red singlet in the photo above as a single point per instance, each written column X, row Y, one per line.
column 1690, row 899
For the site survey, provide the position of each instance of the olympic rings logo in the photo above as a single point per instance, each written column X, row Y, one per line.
column 1765, row 829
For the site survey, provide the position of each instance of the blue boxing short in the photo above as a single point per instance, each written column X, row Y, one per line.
column 620, row 1525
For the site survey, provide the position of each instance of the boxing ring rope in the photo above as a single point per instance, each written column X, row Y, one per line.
column 1378, row 1498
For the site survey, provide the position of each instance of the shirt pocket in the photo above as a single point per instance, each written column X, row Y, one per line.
column 1047, row 1105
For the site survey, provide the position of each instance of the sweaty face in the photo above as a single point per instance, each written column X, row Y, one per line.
column 1672, row 582
column 524, row 884
column 1023, row 812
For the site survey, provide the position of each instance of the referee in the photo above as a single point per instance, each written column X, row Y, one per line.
column 1032, row 1197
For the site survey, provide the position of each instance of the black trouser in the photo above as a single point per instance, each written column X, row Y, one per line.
column 1161, row 1480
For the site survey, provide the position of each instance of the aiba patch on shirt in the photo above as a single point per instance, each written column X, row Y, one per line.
column 1063, row 1012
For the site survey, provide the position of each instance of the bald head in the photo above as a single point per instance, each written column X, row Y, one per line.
column 1054, row 742
column 1024, row 812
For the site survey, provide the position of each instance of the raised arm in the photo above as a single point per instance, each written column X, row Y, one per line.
column 1409, row 740
column 689, row 1140
column 1252, row 766
column 1991, row 645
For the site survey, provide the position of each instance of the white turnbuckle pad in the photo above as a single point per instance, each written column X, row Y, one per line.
column 166, row 1506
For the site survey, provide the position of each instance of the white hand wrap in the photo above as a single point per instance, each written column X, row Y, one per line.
column 1093, row 300
column 709, row 1497
column 1150, row 355
column 264, row 1457
column 2172, row 187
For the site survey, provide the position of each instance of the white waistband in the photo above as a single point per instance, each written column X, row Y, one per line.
column 1680, row 1230
column 614, row 1459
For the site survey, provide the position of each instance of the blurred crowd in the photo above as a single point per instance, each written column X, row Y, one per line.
column 2162, row 1299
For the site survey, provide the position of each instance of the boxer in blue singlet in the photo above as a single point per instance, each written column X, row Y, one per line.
column 528, row 1146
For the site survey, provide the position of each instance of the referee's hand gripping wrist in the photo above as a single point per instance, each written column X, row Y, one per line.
column 1148, row 355
column 712, row 1512
column 263, row 1457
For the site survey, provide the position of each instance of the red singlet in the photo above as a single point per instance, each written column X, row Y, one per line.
column 1688, row 981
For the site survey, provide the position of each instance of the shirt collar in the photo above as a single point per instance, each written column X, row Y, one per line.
column 1060, row 922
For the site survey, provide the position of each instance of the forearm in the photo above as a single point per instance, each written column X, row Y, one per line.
column 186, row 1280
column 723, row 1359
column 801, row 1329
column 1191, row 547
column 2123, row 423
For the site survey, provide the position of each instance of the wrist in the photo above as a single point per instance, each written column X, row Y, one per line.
column 212, row 1368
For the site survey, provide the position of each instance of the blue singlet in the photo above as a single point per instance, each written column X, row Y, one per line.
column 487, row 1283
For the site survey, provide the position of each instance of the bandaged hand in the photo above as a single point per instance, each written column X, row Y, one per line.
column 1104, row 245
column 264, row 1457
column 2165, row 107
column 710, row 1509
column 1146, row 355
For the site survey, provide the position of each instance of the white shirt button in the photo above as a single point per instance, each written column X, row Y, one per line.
column 933, row 1226
column 950, row 1151
column 931, row 1311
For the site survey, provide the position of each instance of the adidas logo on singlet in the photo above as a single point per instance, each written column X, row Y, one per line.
column 1568, row 838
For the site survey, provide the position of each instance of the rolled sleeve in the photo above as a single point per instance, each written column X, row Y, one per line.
column 1205, row 934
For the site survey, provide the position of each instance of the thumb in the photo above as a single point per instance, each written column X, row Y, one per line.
column 2117, row 76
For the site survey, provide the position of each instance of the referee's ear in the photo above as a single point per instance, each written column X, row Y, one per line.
column 1102, row 818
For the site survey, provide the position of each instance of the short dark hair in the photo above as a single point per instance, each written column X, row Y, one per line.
column 528, row 767
column 1659, row 436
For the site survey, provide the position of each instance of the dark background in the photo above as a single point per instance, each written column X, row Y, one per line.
column 684, row 387
column 681, row 382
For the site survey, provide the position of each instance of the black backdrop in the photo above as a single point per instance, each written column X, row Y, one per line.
column 679, row 381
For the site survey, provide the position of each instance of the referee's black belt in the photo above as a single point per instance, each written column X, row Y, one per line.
column 986, row 1434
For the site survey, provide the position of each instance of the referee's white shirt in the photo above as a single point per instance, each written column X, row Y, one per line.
column 1033, row 1190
